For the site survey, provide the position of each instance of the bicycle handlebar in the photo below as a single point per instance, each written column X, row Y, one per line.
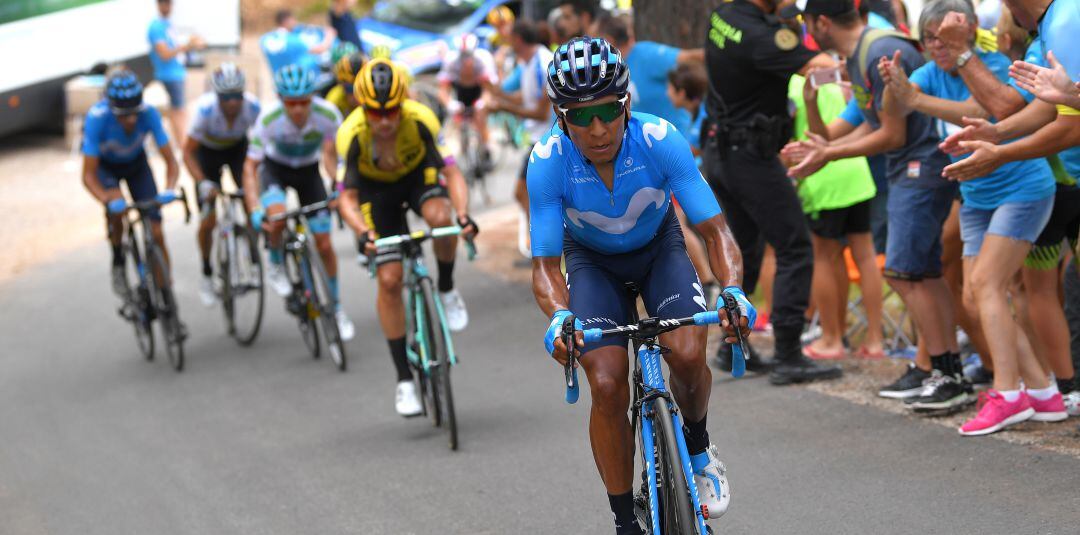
column 418, row 236
column 645, row 328
column 151, row 204
column 297, row 212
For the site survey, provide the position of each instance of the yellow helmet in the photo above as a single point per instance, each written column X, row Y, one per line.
column 381, row 85
column 499, row 15
column 346, row 69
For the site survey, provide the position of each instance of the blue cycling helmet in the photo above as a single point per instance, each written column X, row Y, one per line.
column 124, row 92
column 586, row 68
column 294, row 81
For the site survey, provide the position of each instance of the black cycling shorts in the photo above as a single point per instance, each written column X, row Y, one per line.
column 384, row 204
column 306, row 181
column 212, row 161
column 1064, row 220
column 467, row 96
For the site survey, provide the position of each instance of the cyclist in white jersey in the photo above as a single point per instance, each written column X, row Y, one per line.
column 289, row 139
column 218, row 138
column 464, row 73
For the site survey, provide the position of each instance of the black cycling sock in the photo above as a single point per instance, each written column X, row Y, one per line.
column 941, row 363
column 697, row 437
column 117, row 255
column 957, row 365
column 446, row 276
column 622, row 506
column 1066, row 385
column 207, row 270
column 401, row 362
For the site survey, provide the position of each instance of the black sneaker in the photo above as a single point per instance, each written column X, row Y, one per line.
column 756, row 363
column 801, row 370
column 941, row 392
column 907, row 386
column 980, row 376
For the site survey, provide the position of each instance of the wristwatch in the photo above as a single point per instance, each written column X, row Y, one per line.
column 962, row 59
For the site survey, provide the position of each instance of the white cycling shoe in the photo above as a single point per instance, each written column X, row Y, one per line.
column 457, row 318
column 279, row 281
column 406, row 403
column 345, row 326
column 714, row 492
column 207, row 292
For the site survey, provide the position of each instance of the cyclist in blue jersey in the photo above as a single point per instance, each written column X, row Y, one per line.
column 218, row 138
column 112, row 147
column 600, row 191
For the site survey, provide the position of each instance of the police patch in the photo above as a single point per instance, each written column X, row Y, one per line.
column 786, row 39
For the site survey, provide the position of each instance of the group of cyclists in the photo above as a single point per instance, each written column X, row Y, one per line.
column 390, row 153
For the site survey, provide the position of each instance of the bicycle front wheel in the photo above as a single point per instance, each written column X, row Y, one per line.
column 677, row 515
column 439, row 364
column 324, row 302
column 138, row 303
column 168, row 309
column 246, row 289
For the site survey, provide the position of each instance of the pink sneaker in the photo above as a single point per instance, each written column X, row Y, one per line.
column 996, row 414
column 1051, row 410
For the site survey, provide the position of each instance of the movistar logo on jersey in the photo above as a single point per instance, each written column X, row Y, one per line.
column 641, row 200
column 544, row 148
column 653, row 132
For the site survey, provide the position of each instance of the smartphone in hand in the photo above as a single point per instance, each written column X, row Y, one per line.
column 821, row 77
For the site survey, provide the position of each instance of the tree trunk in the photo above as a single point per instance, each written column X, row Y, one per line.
column 680, row 23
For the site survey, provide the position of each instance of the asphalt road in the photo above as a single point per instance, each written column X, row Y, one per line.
column 265, row 440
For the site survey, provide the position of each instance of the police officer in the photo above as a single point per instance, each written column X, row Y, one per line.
column 750, row 56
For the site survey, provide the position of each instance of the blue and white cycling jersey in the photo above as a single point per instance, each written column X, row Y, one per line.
column 212, row 129
column 104, row 138
column 566, row 192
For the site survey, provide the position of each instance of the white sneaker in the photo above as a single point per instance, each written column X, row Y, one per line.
column 457, row 318
column 1072, row 403
column 714, row 492
column 279, row 281
column 344, row 326
column 406, row 402
column 207, row 292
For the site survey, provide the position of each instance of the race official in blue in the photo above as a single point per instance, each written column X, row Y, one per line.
column 600, row 189
column 112, row 148
column 165, row 54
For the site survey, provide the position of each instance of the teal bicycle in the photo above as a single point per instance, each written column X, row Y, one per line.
column 427, row 337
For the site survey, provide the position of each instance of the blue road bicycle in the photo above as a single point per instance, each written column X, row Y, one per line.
column 427, row 337
column 667, row 501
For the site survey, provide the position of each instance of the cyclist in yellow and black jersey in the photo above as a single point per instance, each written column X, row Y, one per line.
column 393, row 159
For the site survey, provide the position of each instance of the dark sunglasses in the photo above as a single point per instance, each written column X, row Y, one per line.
column 607, row 112
column 225, row 97
column 296, row 102
column 389, row 112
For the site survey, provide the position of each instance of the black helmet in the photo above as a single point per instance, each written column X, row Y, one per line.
column 584, row 69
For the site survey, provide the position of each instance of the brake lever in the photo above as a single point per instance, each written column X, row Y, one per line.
column 570, row 369
column 739, row 352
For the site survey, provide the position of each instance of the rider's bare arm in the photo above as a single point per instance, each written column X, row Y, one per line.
column 172, row 167
column 90, row 180
column 251, row 184
column 725, row 257
column 191, row 161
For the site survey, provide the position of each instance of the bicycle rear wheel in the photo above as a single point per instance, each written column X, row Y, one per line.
column 324, row 303
column 440, row 364
column 246, row 289
column 168, row 309
column 138, row 302
column 677, row 515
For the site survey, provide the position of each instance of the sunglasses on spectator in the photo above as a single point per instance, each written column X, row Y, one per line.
column 382, row 114
column 225, row 97
column 607, row 112
column 296, row 102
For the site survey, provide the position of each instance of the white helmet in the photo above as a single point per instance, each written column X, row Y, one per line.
column 466, row 43
column 228, row 78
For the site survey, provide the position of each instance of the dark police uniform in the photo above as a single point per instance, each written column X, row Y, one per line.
column 750, row 57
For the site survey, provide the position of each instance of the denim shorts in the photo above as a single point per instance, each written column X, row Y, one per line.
column 175, row 89
column 913, row 249
column 1016, row 220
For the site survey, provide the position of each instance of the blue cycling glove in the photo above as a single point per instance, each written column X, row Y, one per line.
column 116, row 206
column 257, row 219
column 166, row 196
column 745, row 307
column 554, row 330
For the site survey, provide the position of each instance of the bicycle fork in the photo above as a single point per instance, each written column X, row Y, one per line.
column 653, row 386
